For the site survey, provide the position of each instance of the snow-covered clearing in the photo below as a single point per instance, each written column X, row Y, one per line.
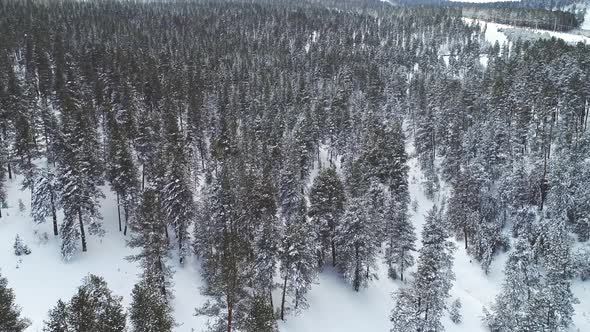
column 484, row 1
column 495, row 32
column 41, row 278
column 586, row 24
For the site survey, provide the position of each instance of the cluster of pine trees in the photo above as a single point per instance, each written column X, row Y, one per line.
column 208, row 119
column 537, row 18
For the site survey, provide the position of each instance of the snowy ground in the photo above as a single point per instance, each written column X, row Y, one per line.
column 41, row 278
column 495, row 32
column 586, row 24
column 484, row 1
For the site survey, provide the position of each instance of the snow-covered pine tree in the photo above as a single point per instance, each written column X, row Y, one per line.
column 326, row 200
column 556, row 305
column 463, row 205
column 512, row 310
column 266, row 237
column 148, row 234
column 69, row 235
column 10, row 315
column 455, row 312
column 422, row 304
column 92, row 308
column 3, row 168
column 58, row 318
column 297, row 256
column 400, row 238
column 22, row 105
column 149, row 311
column 79, row 171
column 405, row 315
column 175, row 194
column 45, row 198
column 225, row 248
column 20, row 248
column 178, row 207
column 260, row 317
column 357, row 236
column 122, row 172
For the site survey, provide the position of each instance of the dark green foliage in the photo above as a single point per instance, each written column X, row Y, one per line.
column 326, row 198
column 421, row 305
column 10, row 316
column 92, row 308
column 148, row 235
column 261, row 317
column 58, row 318
column 149, row 311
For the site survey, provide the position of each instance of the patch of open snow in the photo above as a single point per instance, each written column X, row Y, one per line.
column 586, row 24
column 494, row 32
column 484, row 1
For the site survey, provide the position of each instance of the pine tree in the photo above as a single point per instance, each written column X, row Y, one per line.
column 149, row 311
column 400, row 238
column 421, row 306
column 3, row 167
column 79, row 171
column 10, row 315
column 261, row 317
column 58, row 319
column 148, row 234
column 266, row 236
column 45, row 198
column 226, row 250
column 522, row 283
column 92, row 308
column 178, row 206
column 455, row 312
column 326, row 199
column 297, row 258
column 20, row 248
column 176, row 196
column 24, row 141
column 122, row 171
column 357, row 236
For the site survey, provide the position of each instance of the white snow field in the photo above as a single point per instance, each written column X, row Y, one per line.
column 41, row 278
column 484, row 1
column 586, row 24
column 494, row 32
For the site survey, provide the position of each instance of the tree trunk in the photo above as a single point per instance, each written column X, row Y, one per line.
column 283, row 298
column 465, row 236
column 126, row 211
column 142, row 177
column 333, row 253
column 180, row 240
column 82, row 233
column 402, row 267
column 53, row 213
column 230, row 311
column 119, row 212
column 357, row 271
